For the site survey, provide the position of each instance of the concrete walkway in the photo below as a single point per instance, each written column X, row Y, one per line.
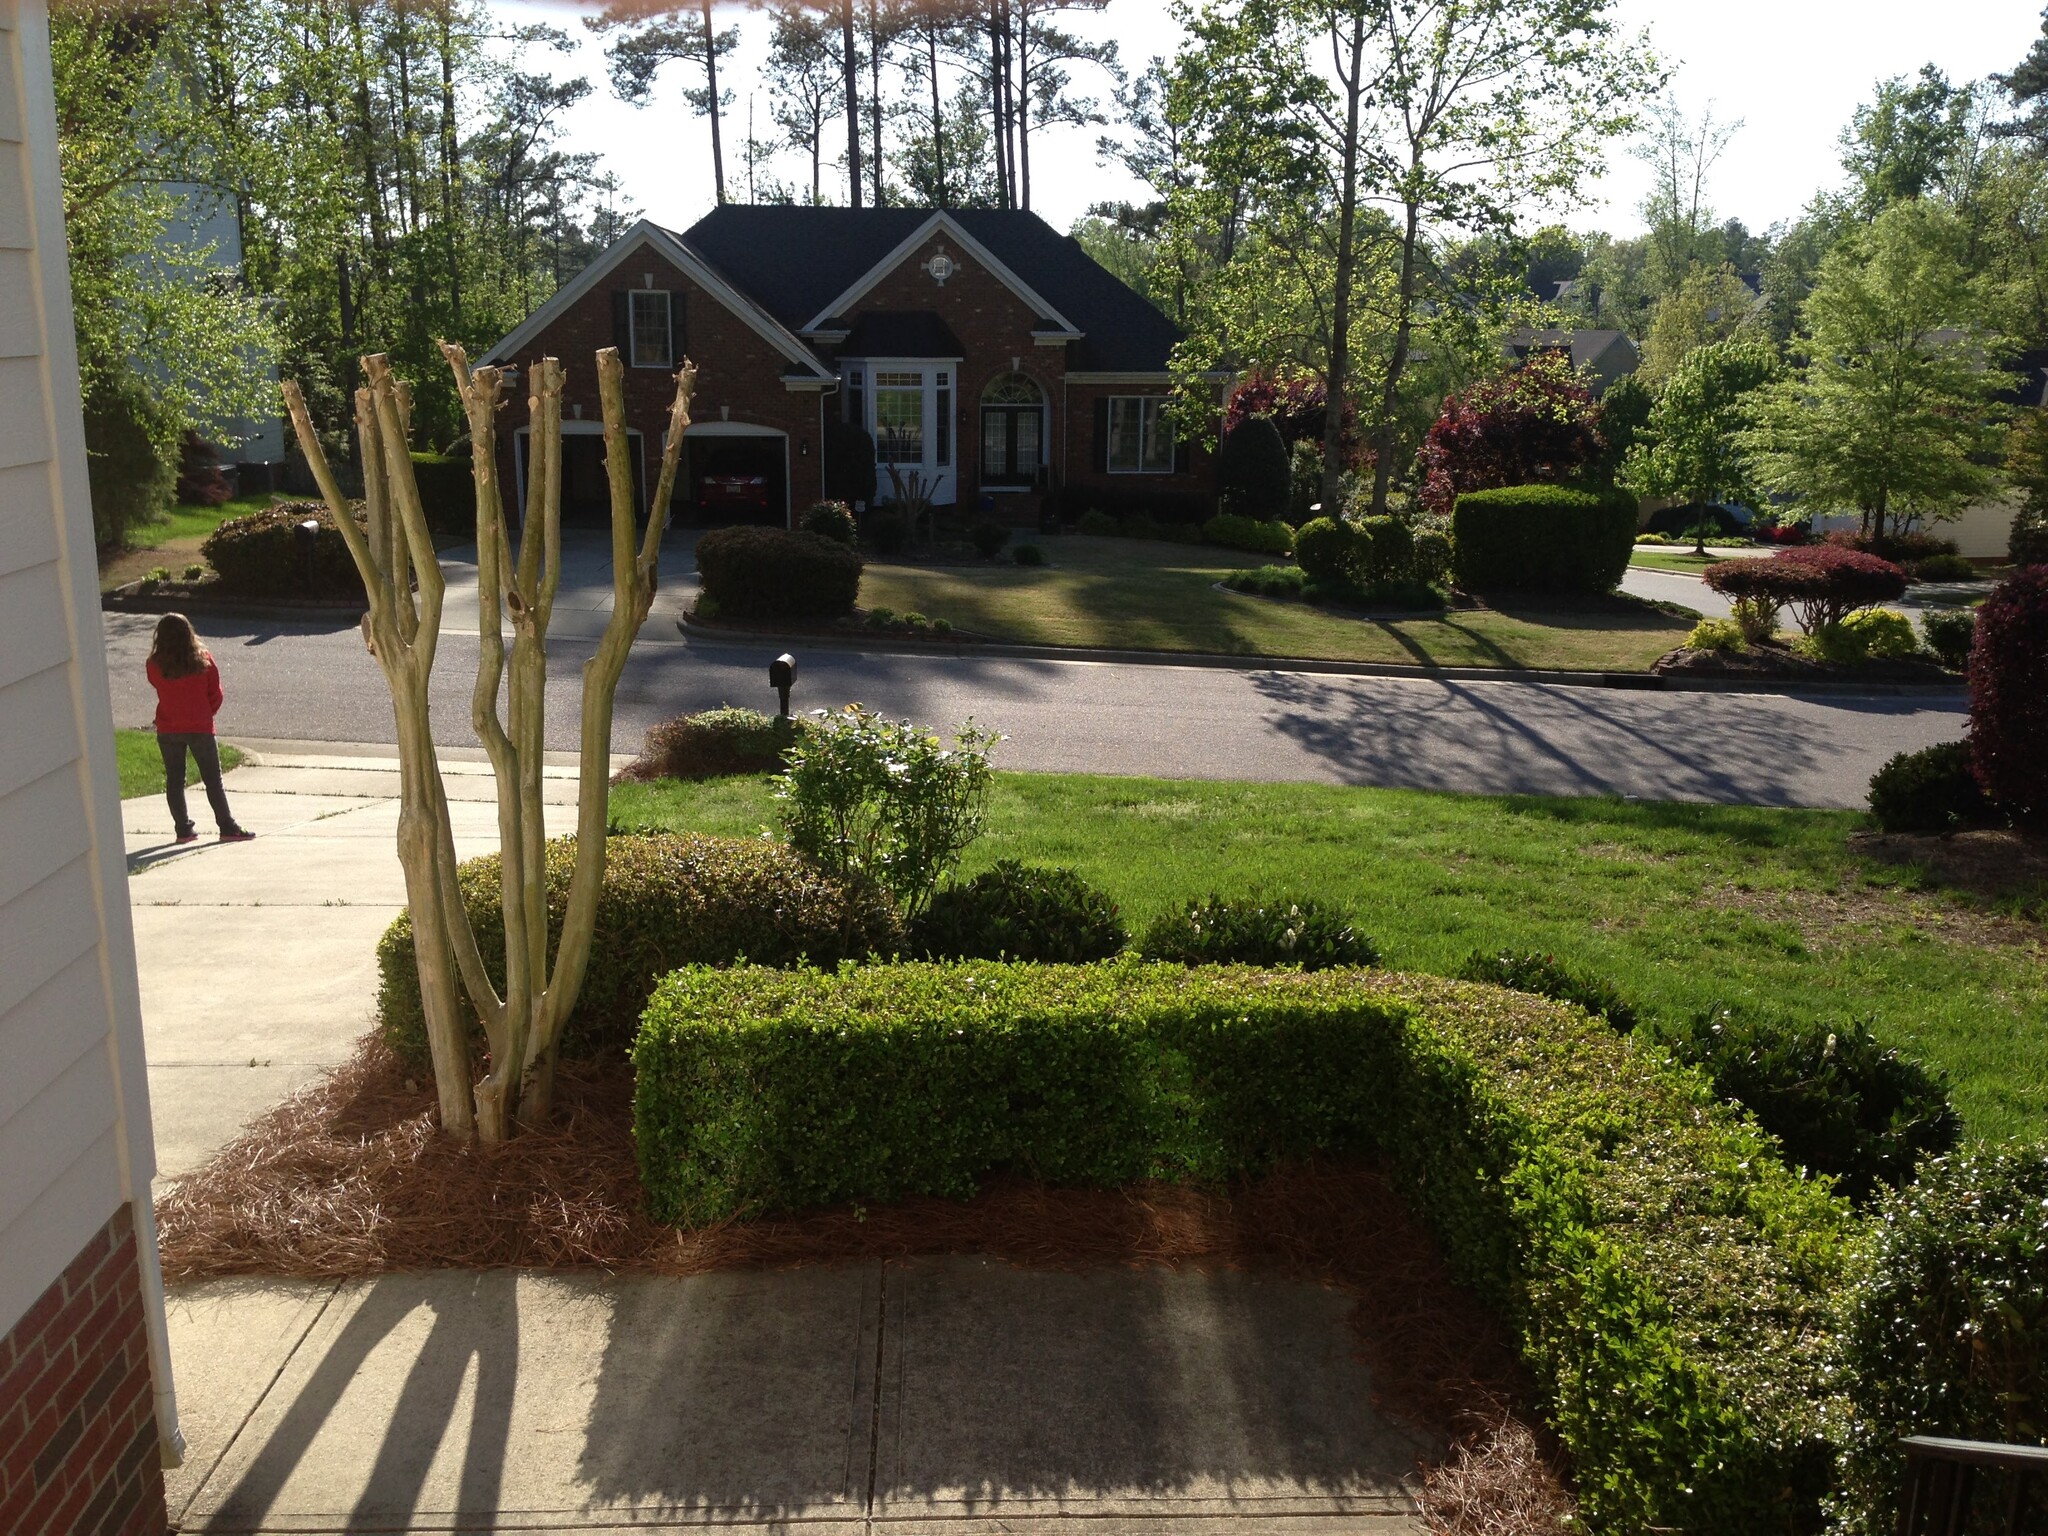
column 258, row 960
column 943, row 1395
column 946, row 1396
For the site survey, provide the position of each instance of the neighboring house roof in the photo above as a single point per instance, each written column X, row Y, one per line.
column 804, row 265
column 901, row 333
column 804, row 362
column 1588, row 347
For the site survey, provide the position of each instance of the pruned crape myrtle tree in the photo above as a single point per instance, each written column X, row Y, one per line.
column 393, row 550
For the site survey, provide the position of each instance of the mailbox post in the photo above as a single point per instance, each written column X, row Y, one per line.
column 781, row 675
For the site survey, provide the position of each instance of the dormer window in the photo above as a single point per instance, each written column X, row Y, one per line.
column 652, row 336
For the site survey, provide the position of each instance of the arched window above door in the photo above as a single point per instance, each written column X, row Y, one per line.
column 1012, row 389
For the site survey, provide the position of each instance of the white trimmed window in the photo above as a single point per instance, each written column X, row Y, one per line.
column 1140, row 435
column 650, row 329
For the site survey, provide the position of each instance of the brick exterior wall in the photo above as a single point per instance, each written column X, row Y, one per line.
column 739, row 378
column 78, row 1432
column 739, row 375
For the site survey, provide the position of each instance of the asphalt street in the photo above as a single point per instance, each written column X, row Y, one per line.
column 316, row 683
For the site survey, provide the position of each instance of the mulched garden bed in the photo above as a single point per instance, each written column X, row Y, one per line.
column 1995, row 863
column 349, row 1177
column 854, row 628
column 1774, row 661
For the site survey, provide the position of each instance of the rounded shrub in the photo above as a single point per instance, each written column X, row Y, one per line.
column 1544, row 975
column 1268, row 581
column 1097, row 524
column 668, row 900
column 1432, row 556
column 1020, row 912
column 2009, row 694
column 1386, row 551
column 987, row 538
column 1542, row 538
column 1838, row 1101
column 447, row 486
column 1884, row 634
column 1821, row 583
column 1931, row 790
column 888, row 530
column 1231, row 530
column 1303, row 932
column 263, row 554
column 1253, row 475
column 1946, row 1323
column 1949, row 632
column 1028, row 554
column 771, row 573
column 831, row 520
column 1327, row 552
column 715, row 744
column 1715, row 635
column 1943, row 568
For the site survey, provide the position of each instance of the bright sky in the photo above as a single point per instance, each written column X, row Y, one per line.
column 1791, row 70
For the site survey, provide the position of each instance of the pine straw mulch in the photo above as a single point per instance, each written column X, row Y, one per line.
column 349, row 1177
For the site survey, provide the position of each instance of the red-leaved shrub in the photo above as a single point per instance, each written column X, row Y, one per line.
column 1299, row 407
column 2009, row 695
column 1821, row 583
column 1538, row 425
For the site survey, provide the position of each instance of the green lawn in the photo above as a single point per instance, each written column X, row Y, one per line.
column 173, row 542
column 1134, row 595
column 1679, row 905
column 1679, row 559
column 142, row 769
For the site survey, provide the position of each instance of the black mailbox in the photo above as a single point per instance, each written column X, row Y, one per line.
column 781, row 675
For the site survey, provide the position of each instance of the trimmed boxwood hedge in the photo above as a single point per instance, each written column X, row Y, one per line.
column 1542, row 538
column 771, row 573
column 669, row 899
column 1666, row 1276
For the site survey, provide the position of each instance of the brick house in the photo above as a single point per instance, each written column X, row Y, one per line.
column 87, row 1416
column 979, row 348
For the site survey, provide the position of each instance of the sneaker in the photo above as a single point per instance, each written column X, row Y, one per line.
column 186, row 837
column 238, row 836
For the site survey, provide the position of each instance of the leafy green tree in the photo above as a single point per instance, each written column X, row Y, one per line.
column 1895, row 413
column 1682, row 153
column 1691, row 447
column 1710, row 304
column 2027, row 84
column 1904, row 144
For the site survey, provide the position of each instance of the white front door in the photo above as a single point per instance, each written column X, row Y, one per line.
column 910, row 415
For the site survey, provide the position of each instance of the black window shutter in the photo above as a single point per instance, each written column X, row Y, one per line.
column 1102, row 435
column 678, row 328
column 622, row 325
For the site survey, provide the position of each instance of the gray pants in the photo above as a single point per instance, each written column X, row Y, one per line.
column 207, row 755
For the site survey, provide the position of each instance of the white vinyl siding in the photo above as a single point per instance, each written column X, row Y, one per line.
column 74, row 1100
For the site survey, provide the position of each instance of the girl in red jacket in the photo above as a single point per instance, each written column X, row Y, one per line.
column 187, row 698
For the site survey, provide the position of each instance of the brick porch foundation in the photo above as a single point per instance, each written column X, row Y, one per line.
column 78, row 1433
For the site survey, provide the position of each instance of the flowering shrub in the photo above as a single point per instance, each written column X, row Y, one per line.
column 1538, row 425
column 878, row 802
column 2009, row 694
column 1821, row 583
column 1298, row 406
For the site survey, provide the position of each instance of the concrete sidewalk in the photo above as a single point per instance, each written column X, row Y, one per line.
column 943, row 1395
column 258, row 961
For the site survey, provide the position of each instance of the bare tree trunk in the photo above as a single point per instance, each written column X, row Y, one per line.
column 1336, row 383
column 522, row 1029
column 1397, row 362
column 875, row 103
column 711, row 85
column 850, row 67
column 931, row 40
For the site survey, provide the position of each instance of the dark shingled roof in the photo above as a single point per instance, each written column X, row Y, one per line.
column 794, row 261
column 901, row 333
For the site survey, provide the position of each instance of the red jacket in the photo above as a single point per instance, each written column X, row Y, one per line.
column 185, row 706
